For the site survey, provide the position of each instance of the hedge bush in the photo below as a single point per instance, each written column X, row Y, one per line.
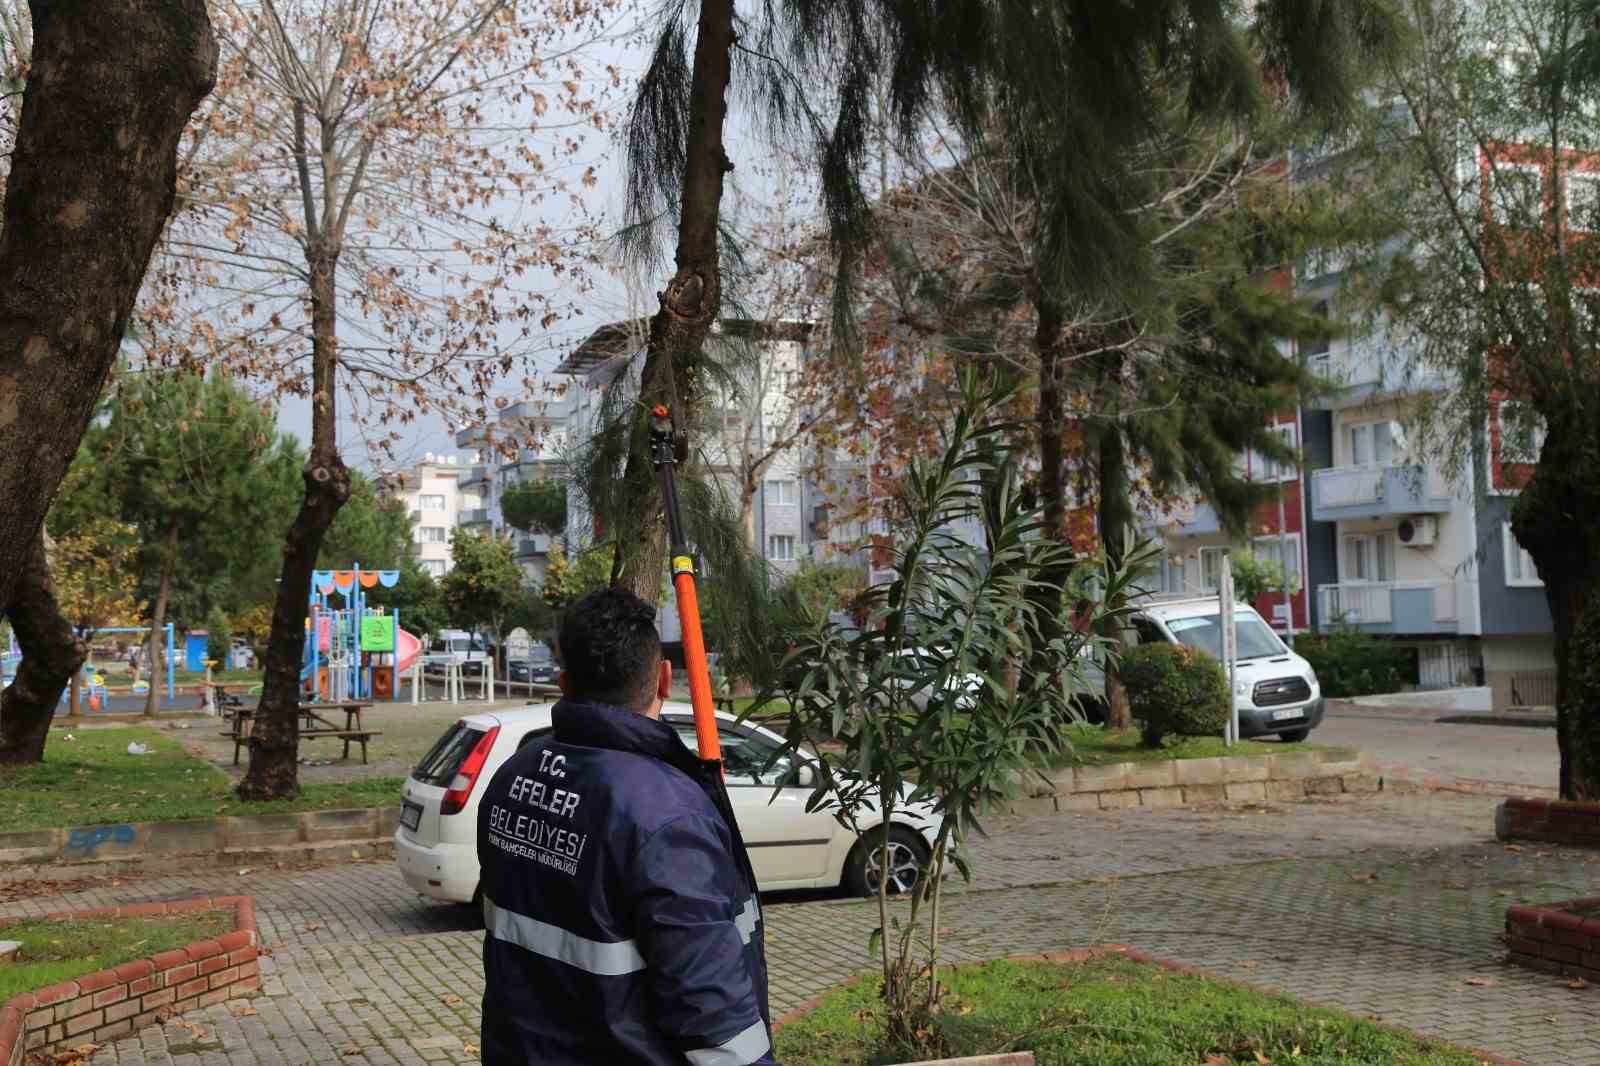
column 1350, row 663
column 1175, row 689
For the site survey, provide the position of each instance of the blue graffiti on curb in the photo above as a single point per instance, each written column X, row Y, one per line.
column 87, row 839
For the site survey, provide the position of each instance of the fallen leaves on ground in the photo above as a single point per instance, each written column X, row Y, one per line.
column 11, row 891
column 1482, row 982
column 1365, row 875
column 73, row 1056
column 450, row 999
column 243, row 1010
column 1577, row 982
column 350, row 1049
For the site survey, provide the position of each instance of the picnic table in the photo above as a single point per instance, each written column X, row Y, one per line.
column 314, row 724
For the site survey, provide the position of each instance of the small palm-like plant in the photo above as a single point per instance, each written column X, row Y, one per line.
column 925, row 701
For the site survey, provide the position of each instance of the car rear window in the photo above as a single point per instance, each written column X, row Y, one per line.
column 439, row 766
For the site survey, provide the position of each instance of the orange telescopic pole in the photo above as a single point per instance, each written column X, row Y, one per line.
column 664, row 458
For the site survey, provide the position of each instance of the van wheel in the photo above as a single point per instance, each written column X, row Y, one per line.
column 1294, row 736
column 908, row 858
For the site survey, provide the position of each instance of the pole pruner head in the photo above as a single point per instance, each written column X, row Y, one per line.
column 666, row 447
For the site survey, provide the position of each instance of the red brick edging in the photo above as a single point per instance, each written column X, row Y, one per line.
column 1550, row 821
column 109, row 1004
column 1100, row 950
column 1549, row 937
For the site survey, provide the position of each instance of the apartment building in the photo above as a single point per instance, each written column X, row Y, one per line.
column 440, row 495
column 536, row 432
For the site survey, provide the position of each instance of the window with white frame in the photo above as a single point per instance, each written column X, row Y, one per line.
column 430, row 534
column 1174, row 581
column 783, row 381
column 1211, row 568
column 1272, row 550
column 435, row 567
column 1583, row 199
column 431, row 501
column 1521, row 433
column 1520, row 571
column 1265, row 469
column 1367, row 558
column 783, row 493
column 1516, row 196
column 780, row 547
column 1373, row 443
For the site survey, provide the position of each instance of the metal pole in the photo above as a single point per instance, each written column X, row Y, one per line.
column 1229, row 640
column 172, row 687
column 1283, row 565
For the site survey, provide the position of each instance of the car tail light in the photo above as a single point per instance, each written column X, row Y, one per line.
column 455, row 797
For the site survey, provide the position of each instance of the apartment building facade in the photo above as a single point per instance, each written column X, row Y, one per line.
column 537, row 432
column 440, row 495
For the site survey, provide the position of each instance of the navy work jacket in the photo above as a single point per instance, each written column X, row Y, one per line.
column 619, row 902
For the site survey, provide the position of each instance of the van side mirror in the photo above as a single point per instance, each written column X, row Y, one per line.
column 806, row 776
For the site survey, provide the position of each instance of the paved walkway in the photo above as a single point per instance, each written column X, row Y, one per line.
column 1382, row 906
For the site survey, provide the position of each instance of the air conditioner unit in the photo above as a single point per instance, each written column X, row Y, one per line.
column 1418, row 532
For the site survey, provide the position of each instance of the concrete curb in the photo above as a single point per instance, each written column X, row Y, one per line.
column 109, row 1004
column 1213, row 782
column 232, row 837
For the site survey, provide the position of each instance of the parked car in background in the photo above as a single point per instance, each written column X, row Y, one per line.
column 1276, row 690
column 458, row 646
column 538, row 668
column 790, row 846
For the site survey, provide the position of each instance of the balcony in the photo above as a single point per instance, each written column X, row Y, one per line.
column 475, row 475
column 1362, row 369
column 1340, row 493
column 478, row 516
column 538, row 544
column 1187, row 518
column 1389, row 608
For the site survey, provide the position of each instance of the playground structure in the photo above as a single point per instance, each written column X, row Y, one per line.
column 92, row 685
column 353, row 651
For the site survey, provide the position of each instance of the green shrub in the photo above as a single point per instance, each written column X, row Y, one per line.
column 1173, row 688
column 1350, row 663
column 219, row 637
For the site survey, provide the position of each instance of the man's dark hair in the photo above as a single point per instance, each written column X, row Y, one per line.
column 610, row 649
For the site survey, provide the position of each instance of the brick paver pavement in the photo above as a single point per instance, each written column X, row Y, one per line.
column 1384, row 906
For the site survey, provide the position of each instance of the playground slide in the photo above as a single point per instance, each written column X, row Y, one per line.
column 407, row 648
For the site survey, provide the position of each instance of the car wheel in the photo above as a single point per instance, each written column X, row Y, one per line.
column 908, row 857
column 1294, row 736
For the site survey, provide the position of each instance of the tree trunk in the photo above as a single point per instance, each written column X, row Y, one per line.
column 275, row 742
column 747, row 514
column 1116, row 523
column 691, row 299
column 1550, row 522
column 1049, row 344
column 51, row 654
column 158, row 620
column 110, row 87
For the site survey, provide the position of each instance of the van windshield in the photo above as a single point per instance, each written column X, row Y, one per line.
column 1204, row 631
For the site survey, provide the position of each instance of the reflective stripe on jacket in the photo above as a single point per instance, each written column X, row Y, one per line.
column 620, row 906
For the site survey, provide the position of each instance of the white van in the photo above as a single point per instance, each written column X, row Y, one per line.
column 1276, row 690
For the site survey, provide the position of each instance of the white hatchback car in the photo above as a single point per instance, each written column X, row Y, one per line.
column 790, row 847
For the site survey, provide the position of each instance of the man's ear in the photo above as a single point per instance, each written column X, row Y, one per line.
column 664, row 680
column 563, row 684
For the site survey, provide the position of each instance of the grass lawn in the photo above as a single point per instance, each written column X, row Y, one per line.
column 1093, row 746
column 53, row 952
column 775, row 709
column 93, row 780
column 1109, row 1012
column 116, row 681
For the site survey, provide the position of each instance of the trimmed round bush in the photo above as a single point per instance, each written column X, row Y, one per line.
column 1175, row 689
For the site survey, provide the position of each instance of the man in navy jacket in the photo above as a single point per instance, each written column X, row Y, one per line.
column 623, row 925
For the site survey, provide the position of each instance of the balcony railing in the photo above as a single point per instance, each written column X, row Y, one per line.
column 1403, row 606
column 1344, row 492
column 476, row 517
column 538, row 544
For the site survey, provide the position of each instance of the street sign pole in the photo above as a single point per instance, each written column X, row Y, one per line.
column 1229, row 648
